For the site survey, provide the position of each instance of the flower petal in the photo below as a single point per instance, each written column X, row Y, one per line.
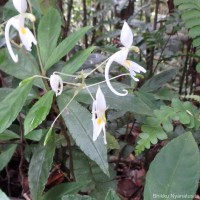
column 126, row 36
column 94, row 110
column 20, row 5
column 27, row 38
column 15, row 23
column 104, row 134
column 120, row 56
column 56, row 84
column 96, row 130
column 135, row 67
column 100, row 101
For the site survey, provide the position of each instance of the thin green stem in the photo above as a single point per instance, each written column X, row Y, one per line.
column 47, row 78
column 90, row 93
column 74, row 76
column 40, row 76
column 37, row 47
column 87, row 86
column 75, row 94
column 97, row 67
column 73, row 84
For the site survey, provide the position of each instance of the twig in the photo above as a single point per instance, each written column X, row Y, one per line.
column 156, row 15
column 185, row 68
column 159, row 60
column 21, row 173
column 69, row 10
column 8, row 182
column 85, row 21
column 94, row 22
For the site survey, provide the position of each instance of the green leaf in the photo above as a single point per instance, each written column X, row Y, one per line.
column 36, row 135
column 39, row 168
column 12, row 105
column 3, row 196
column 159, row 80
column 36, row 5
column 198, row 52
column 48, row 32
column 150, row 135
column 190, row 14
column 111, row 195
column 178, row 2
column 6, row 155
column 65, row 46
column 58, row 191
column 188, row 5
column 198, row 67
column 77, row 197
column 196, row 41
column 167, row 125
column 46, row 4
column 26, row 66
column 192, row 23
column 79, row 124
column 112, row 143
column 175, row 170
column 8, row 135
column 86, row 169
column 4, row 92
column 194, row 31
column 77, row 61
column 48, row 136
column 9, row 11
column 38, row 112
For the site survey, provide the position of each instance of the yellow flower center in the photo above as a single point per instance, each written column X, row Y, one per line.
column 23, row 31
column 99, row 121
column 127, row 63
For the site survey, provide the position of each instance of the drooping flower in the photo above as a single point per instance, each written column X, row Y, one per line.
column 98, row 115
column 56, row 84
column 120, row 57
column 18, row 22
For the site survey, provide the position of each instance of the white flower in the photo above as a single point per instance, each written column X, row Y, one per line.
column 98, row 115
column 56, row 84
column 120, row 57
column 26, row 36
column 20, row 5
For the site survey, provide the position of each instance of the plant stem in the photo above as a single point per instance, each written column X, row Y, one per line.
column 87, row 86
column 97, row 67
column 43, row 72
column 69, row 10
column 64, row 132
column 21, row 173
column 85, row 21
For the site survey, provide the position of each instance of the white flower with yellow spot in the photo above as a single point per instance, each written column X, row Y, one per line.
column 56, row 84
column 98, row 115
column 120, row 57
column 18, row 22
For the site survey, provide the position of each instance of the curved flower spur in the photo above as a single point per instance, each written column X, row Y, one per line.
column 120, row 57
column 18, row 22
